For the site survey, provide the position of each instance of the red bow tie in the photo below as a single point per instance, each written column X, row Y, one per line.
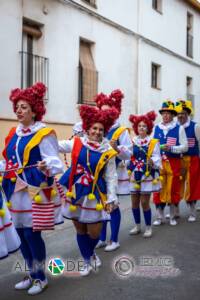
column 26, row 130
column 93, row 145
column 144, row 142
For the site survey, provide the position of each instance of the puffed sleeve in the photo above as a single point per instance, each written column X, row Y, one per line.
column 111, row 180
column 49, row 153
column 125, row 146
column 156, row 156
column 65, row 146
column 183, row 147
column 2, row 165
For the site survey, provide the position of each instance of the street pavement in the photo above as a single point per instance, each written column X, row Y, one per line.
column 165, row 266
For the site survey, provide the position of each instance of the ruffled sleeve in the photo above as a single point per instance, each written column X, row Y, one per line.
column 65, row 146
column 111, row 181
column 156, row 156
column 49, row 153
column 125, row 146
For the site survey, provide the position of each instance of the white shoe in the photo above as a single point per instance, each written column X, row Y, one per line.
column 113, row 246
column 191, row 218
column 148, row 232
column 38, row 286
column 85, row 269
column 173, row 222
column 100, row 244
column 95, row 261
column 24, row 284
column 135, row 230
column 157, row 222
column 167, row 216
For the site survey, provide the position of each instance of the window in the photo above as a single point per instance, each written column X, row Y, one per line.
column 155, row 76
column 189, row 38
column 33, row 67
column 189, row 88
column 157, row 5
column 88, row 76
column 91, row 2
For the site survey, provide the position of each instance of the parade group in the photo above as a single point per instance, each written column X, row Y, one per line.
column 159, row 162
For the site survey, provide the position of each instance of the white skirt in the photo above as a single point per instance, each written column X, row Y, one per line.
column 147, row 184
column 9, row 239
column 85, row 212
column 123, row 180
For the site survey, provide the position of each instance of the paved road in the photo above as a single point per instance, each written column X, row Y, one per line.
column 177, row 248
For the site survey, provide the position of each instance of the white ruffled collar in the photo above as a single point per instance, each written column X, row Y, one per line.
column 167, row 126
column 30, row 130
column 186, row 123
column 99, row 147
column 137, row 140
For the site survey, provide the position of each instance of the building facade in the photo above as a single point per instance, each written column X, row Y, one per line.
column 148, row 48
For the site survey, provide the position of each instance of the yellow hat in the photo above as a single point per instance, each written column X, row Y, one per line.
column 168, row 105
column 184, row 105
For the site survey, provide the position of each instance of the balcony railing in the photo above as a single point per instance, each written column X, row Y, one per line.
column 34, row 68
column 189, row 47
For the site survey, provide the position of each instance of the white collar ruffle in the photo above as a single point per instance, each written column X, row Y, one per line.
column 32, row 128
column 137, row 140
column 186, row 123
column 99, row 147
column 167, row 126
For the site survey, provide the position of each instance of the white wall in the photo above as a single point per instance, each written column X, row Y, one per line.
column 169, row 28
column 123, row 12
column 173, row 79
column 10, row 41
column 63, row 26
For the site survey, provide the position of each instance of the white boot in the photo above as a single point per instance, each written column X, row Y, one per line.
column 101, row 244
column 112, row 246
column 85, row 269
column 24, row 284
column 38, row 286
column 148, row 232
column 160, row 217
column 95, row 261
column 135, row 230
column 192, row 216
column 172, row 220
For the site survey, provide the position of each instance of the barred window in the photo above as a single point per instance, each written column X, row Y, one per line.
column 88, row 75
column 34, row 67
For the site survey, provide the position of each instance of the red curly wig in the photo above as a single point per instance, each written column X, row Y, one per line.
column 113, row 100
column 34, row 96
column 148, row 119
column 91, row 115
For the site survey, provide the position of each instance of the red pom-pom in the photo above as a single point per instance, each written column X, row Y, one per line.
column 113, row 100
